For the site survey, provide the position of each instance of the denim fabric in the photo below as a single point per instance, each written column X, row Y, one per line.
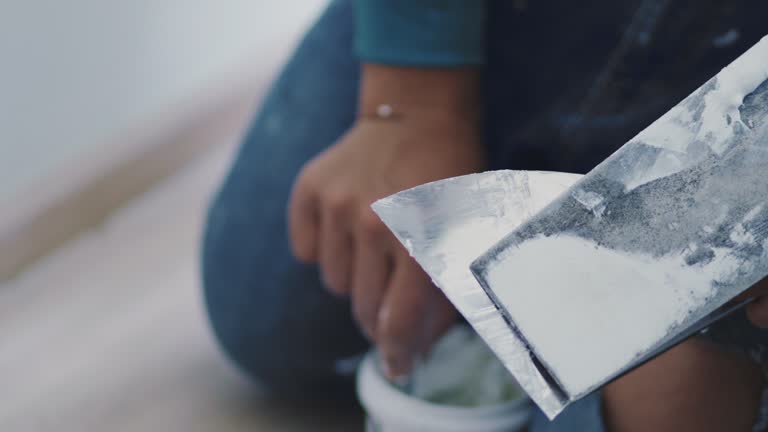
column 269, row 312
column 566, row 84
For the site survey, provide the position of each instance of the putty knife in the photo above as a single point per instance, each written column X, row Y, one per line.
column 652, row 241
column 642, row 251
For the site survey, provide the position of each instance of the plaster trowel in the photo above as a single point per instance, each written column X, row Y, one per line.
column 572, row 281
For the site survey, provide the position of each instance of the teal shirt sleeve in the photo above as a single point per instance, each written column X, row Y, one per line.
column 439, row 33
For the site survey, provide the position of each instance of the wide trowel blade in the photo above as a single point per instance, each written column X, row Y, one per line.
column 653, row 240
column 445, row 225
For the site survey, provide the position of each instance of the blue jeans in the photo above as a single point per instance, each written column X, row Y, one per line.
column 552, row 102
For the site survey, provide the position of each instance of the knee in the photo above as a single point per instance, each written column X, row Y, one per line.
column 271, row 351
column 239, row 314
column 246, row 330
column 252, row 353
column 269, row 314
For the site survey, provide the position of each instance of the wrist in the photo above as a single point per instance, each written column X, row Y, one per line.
column 427, row 93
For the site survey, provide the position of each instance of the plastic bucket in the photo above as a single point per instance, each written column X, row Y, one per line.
column 390, row 410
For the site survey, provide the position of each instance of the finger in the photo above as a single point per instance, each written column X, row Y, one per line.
column 372, row 266
column 401, row 326
column 335, row 250
column 441, row 316
column 758, row 312
column 303, row 222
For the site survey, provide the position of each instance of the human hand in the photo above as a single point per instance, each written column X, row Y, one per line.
column 332, row 224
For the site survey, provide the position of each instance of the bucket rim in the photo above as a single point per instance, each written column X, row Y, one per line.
column 392, row 403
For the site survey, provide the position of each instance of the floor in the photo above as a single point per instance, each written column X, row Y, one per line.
column 108, row 333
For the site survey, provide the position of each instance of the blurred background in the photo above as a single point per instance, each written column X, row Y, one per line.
column 117, row 121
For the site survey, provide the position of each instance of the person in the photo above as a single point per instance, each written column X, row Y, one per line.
column 382, row 95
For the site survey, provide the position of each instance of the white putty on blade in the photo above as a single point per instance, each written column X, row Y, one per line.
column 628, row 306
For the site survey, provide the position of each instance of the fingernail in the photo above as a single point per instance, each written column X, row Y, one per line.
column 397, row 367
column 392, row 369
column 388, row 370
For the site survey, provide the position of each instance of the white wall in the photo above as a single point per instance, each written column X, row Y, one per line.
column 75, row 74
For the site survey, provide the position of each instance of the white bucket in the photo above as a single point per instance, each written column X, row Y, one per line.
column 390, row 410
